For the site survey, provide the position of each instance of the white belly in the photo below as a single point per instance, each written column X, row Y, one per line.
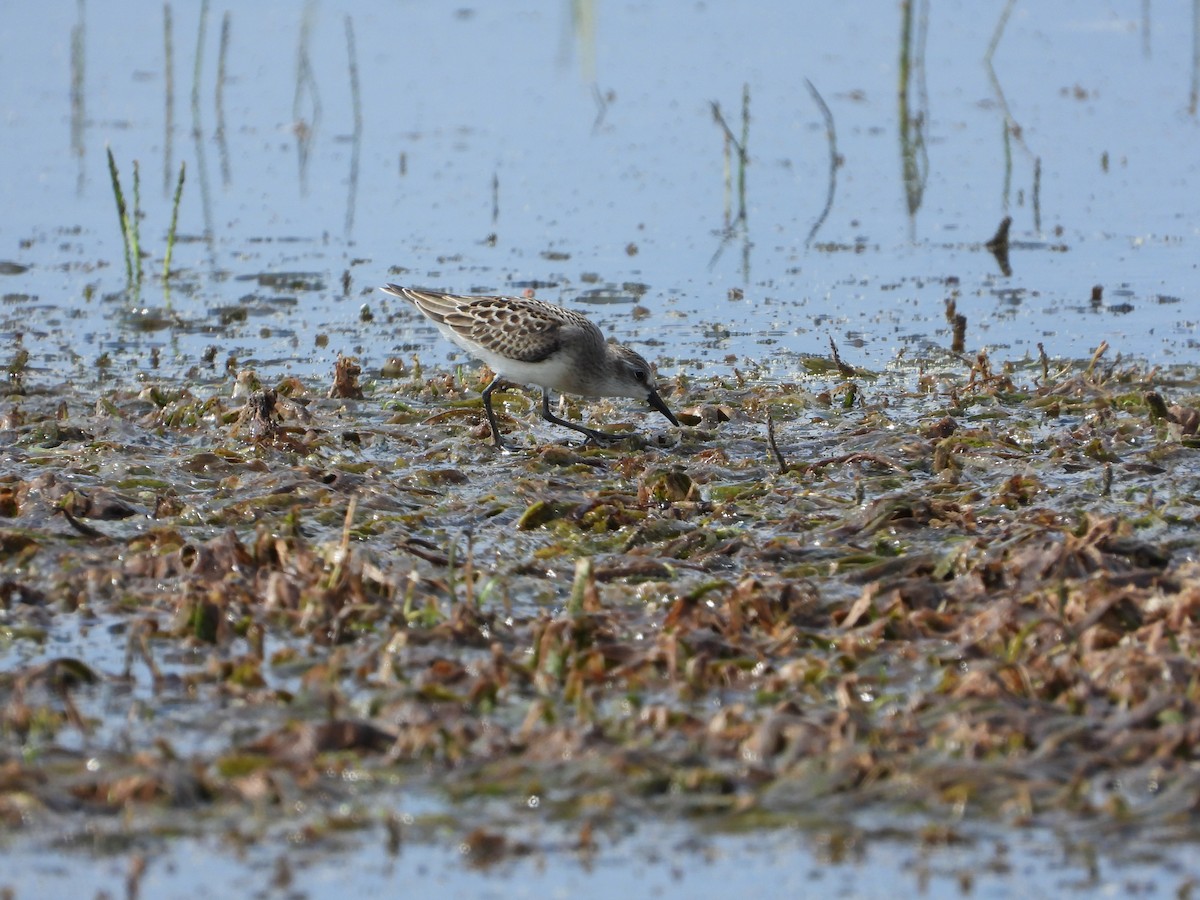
column 555, row 372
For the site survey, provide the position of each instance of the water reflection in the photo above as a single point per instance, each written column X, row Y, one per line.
column 603, row 99
column 78, row 117
column 633, row 167
column 168, row 98
column 222, row 55
column 834, row 161
column 198, row 132
column 734, row 148
column 306, row 95
column 1013, row 132
column 998, row 246
column 356, row 136
column 1194, row 94
column 583, row 22
column 914, row 105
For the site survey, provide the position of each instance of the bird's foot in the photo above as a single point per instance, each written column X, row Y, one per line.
column 602, row 438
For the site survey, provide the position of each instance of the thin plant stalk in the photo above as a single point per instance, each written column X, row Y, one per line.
column 174, row 223
column 579, row 587
column 122, row 212
column 135, row 242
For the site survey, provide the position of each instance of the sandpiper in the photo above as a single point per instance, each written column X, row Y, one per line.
column 530, row 341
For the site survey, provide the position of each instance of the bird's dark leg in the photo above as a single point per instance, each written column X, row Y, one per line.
column 599, row 437
column 487, row 408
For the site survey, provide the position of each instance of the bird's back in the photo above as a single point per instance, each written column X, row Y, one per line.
column 496, row 328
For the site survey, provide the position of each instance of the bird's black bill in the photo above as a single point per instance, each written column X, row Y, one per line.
column 657, row 402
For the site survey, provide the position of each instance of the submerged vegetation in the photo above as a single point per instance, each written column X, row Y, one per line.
column 969, row 591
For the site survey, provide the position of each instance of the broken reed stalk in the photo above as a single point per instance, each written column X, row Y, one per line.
column 1157, row 407
column 842, row 367
column 958, row 338
column 958, row 323
column 409, row 609
column 451, row 575
column 468, row 573
column 583, row 585
column 174, row 224
column 771, row 442
column 1091, row 366
column 999, row 241
column 343, row 550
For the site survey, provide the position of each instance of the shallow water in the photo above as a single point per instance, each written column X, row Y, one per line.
column 572, row 148
column 501, row 148
column 649, row 861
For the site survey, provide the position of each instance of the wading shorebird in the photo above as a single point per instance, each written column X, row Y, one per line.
column 527, row 341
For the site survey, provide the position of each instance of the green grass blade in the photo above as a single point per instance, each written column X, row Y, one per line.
column 174, row 224
column 122, row 212
column 135, row 243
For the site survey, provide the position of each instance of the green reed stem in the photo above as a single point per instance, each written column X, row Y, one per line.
column 135, row 243
column 174, row 223
column 122, row 212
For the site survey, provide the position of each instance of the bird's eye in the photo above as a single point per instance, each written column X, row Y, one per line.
column 639, row 375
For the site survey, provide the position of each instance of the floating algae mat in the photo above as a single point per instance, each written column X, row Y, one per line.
column 961, row 594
